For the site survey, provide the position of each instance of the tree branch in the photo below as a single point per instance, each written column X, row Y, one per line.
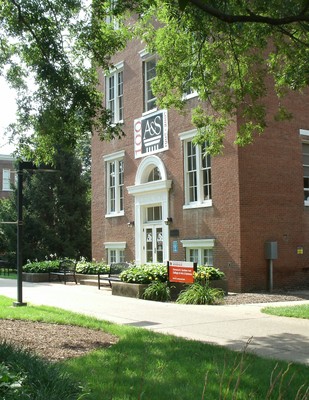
column 302, row 16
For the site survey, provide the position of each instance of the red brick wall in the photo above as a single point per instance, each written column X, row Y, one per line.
column 272, row 201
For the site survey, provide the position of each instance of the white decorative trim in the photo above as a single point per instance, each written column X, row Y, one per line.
column 145, row 167
column 114, row 156
column 188, row 134
column 5, row 157
column 116, row 67
column 155, row 186
column 115, row 245
column 144, row 54
column 304, row 132
column 198, row 243
column 112, row 215
column 206, row 203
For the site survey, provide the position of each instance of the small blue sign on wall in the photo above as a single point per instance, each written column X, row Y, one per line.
column 175, row 246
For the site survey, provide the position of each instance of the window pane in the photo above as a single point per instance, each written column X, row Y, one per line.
column 208, row 257
column 154, row 213
column 149, row 75
column 114, row 95
column 115, row 186
column 159, row 245
column 306, row 188
column 154, row 175
column 121, row 256
column 120, row 96
column 149, row 245
column 193, row 255
column 6, row 179
column 112, row 256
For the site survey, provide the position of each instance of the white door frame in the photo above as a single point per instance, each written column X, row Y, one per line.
column 147, row 194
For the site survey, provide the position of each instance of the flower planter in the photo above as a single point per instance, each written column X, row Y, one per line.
column 35, row 277
column 125, row 289
column 220, row 284
column 136, row 290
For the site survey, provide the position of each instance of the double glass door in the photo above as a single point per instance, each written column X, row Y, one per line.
column 153, row 237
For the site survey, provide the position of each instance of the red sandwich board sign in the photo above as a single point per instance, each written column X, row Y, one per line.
column 181, row 271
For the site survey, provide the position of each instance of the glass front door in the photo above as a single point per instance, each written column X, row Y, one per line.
column 153, row 244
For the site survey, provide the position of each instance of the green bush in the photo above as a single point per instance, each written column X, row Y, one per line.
column 157, row 291
column 41, row 266
column 148, row 273
column 204, row 272
column 200, row 294
column 145, row 273
column 91, row 268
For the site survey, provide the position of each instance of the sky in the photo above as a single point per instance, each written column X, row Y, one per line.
column 7, row 115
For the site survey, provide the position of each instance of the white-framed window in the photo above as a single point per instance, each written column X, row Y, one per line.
column 189, row 92
column 305, row 147
column 111, row 18
column 114, row 167
column 115, row 251
column 197, row 173
column 149, row 73
column 114, row 92
column 200, row 251
column 6, row 180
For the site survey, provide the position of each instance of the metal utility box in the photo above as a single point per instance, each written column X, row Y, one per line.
column 271, row 250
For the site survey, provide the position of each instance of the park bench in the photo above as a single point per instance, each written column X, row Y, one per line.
column 115, row 270
column 65, row 272
column 4, row 266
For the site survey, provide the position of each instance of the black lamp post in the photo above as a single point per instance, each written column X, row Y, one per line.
column 21, row 166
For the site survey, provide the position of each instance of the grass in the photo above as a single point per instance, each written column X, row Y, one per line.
column 147, row 365
column 11, row 275
column 26, row 376
column 298, row 311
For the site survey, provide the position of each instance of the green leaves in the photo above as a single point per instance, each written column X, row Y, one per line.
column 221, row 50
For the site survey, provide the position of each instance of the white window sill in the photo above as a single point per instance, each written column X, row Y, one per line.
column 198, row 205
column 189, row 96
column 112, row 215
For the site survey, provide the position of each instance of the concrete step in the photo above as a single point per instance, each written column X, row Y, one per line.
column 89, row 282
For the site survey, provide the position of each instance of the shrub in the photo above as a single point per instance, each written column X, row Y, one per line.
column 200, row 294
column 204, row 272
column 41, row 266
column 90, row 267
column 145, row 273
column 157, row 291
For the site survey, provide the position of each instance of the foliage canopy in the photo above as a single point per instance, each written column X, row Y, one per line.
column 221, row 49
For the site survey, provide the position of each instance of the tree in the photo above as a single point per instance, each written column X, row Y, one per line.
column 56, row 211
column 222, row 49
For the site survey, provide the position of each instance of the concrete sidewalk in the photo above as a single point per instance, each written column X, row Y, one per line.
column 231, row 326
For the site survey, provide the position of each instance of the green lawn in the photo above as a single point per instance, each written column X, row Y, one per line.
column 12, row 275
column 150, row 366
column 298, row 311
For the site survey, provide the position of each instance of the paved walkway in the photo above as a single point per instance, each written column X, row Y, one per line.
column 231, row 326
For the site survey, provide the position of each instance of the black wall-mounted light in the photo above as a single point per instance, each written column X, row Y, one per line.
column 168, row 220
column 131, row 224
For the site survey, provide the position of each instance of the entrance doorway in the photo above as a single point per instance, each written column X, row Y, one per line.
column 151, row 209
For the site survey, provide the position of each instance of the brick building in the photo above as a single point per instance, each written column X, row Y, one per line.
column 155, row 198
column 7, row 175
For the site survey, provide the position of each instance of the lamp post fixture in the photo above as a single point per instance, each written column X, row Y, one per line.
column 21, row 166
